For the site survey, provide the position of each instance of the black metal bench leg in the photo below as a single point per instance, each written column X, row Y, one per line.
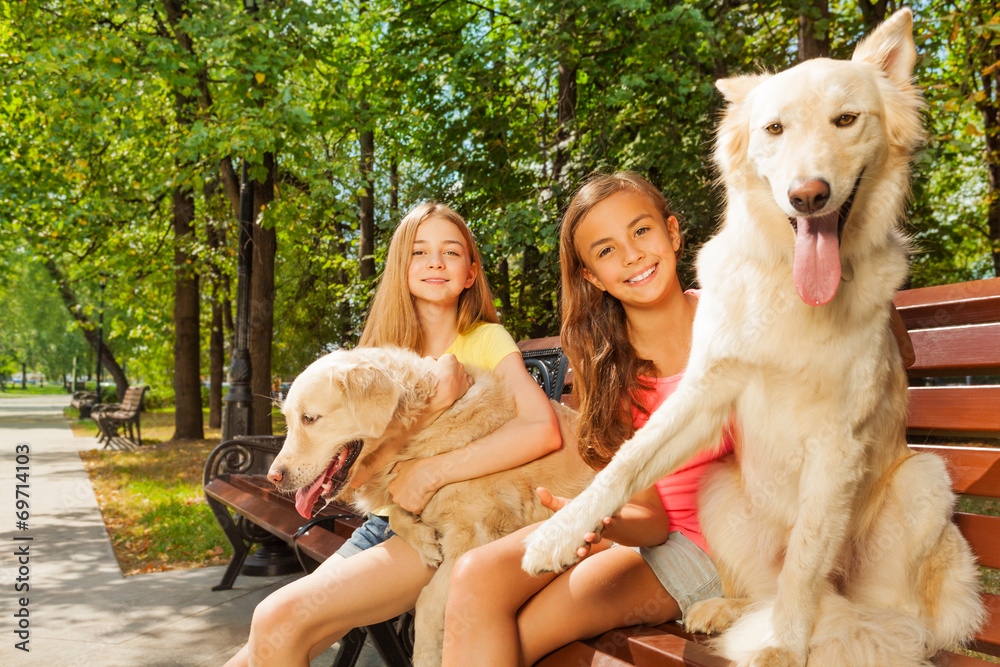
column 388, row 644
column 240, row 548
column 351, row 646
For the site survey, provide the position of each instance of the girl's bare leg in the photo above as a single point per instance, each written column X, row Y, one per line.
column 610, row 589
column 488, row 586
column 299, row 621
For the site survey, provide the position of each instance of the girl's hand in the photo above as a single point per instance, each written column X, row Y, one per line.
column 556, row 503
column 452, row 383
column 416, row 482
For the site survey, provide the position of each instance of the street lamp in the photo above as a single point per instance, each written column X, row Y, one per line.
column 100, row 337
column 239, row 399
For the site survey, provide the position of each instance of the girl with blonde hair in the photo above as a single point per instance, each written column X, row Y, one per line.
column 432, row 298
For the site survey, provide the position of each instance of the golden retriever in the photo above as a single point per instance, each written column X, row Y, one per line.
column 348, row 404
column 834, row 541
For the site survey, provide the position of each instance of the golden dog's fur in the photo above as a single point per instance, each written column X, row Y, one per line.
column 376, row 394
column 834, row 541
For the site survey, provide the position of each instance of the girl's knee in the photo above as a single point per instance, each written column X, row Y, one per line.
column 478, row 571
column 277, row 622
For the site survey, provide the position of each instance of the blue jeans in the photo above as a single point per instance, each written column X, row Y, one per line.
column 375, row 530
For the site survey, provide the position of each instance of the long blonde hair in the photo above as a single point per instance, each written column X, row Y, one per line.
column 607, row 372
column 392, row 319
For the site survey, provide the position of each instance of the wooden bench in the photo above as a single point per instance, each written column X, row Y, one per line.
column 955, row 331
column 250, row 511
column 125, row 415
column 84, row 401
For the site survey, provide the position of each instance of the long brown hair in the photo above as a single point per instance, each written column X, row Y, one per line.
column 392, row 319
column 607, row 371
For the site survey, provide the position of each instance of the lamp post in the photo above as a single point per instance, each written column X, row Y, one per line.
column 239, row 399
column 100, row 338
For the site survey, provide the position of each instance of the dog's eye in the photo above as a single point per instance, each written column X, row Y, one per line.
column 775, row 129
column 308, row 419
column 845, row 120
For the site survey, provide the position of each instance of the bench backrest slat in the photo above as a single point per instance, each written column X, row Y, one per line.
column 133, row 396
column 944, row 305
column 988, row 639
column 973, row 470
column 964, row 410
column 983, row 535
column 966, row 350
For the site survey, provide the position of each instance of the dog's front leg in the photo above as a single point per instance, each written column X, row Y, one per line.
column 429, row 621
column 686, row 422
column 831, row 473
column 419, row 535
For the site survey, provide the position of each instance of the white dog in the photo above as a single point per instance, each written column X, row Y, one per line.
column 348, row 404
column 834, row 541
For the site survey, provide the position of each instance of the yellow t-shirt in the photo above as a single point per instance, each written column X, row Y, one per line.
column 483, row 347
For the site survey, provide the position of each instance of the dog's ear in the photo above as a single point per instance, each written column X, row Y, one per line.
column 890, row 48
column 736, row 89
column 733, row 134
column 371, row 397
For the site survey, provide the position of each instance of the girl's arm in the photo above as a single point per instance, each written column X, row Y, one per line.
column 532, row 433
column 642, row 522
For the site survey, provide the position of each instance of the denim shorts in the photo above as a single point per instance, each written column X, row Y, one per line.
column 684, row 570
column 373, row 531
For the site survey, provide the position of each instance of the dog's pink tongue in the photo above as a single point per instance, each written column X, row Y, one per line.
column 817, row 259
column 307, row 496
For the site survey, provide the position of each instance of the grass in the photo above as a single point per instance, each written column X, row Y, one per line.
column 12, row 390
column 151, row 499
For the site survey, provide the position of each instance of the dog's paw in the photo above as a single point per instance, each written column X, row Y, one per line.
column 714, row 615
column 430, row 554
column 774, row 656
column 552, row 547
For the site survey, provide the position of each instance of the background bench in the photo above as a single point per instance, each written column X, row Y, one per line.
column 956, row 337
column 111, row 417
column 251, row 512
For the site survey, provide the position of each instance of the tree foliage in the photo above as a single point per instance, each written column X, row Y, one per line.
column 499, row 108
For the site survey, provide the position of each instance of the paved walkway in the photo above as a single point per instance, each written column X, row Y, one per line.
column 80, row 610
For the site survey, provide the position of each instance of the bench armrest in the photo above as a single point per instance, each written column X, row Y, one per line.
column 247, row 455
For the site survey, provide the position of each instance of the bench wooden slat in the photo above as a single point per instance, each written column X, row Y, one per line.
column 669, row 649
column 578, row 653
column 272, row 518
column 983, row 535
column 963, row 350
column 971, row 302
column 988, row 639
column 962, row 410
column 539, row 343
column 973, row 470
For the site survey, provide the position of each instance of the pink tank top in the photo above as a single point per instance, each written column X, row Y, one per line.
column 679, row 491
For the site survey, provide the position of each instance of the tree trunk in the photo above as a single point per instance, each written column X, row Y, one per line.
column 565, row 118
column 989, row 106
column 814, row 42
column 188, row 419
column 394, row 190
column 366, row 202
column 216, row 240
column 872, row 13
column 265, row 241
column 108, row 361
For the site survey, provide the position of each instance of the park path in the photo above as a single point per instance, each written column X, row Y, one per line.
column 80, row 609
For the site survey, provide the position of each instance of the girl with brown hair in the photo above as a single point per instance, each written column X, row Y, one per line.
column 627, row 332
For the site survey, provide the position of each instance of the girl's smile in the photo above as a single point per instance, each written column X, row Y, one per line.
column 628, row 249
column 440, row 265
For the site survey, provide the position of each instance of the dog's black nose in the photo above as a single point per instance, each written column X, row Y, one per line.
column 809, row 196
